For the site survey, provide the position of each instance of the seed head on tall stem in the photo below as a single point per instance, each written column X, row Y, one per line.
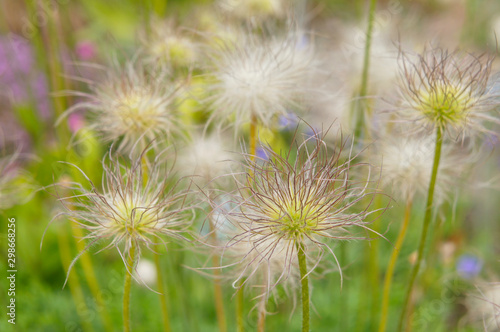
column 131, row 210
column 300, row 201
column 134, row 105
column 447, row 90
column 259, row 77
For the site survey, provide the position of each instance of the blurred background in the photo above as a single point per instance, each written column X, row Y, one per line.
column 50, row 48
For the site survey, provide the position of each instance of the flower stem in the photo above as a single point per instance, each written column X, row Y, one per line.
column 73, row 280
column 162, row 295
column 239, row 308
column 89, row 272
column 218, row 298
column 344, row 294
column 262, row 314
column 392, row 264
column 364, row 75
column 127, row 287
column 304, row 286
column 427, row 221
column 253, row 136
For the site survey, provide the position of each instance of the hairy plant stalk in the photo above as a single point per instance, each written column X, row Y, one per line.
column 304, row 282
column 427, row 221
column 361, row 103
column 261, row 325
column 73, row 281
column 374, row 275
column 240, row 299
column 344, row 298
column 162, row 295
column 219, row 299
column 56, row 71
column 88, row 270
column 368, row 300
column 127, row 287
column 239, row 308
column 392, row 264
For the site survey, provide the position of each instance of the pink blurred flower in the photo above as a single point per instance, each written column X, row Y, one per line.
column 75, row 122
column 85, row 50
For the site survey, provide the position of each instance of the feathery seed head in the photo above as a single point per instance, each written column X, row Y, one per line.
column 407, row 165
column 253, row 9
column 447, row 90
column 251, row 259
column 134, row 207
column 259, row 77
column 168, row 46
column 206, row 157
column 282, row 203
column 133, row 106
column 484, row 308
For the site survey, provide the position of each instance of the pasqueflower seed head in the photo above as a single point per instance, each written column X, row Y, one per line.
column 283, row 202
column 132, row 106
column 447, row 90
column 253, row 9
column 261, row 78
column 205, row 157
column 137, row 206
column 407, row 165
column 169, row 46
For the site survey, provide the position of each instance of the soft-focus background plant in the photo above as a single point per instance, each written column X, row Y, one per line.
column 63, row 61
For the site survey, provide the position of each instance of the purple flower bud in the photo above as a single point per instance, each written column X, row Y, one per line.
column 288, row 121
column 469, row 266
column 261, row 154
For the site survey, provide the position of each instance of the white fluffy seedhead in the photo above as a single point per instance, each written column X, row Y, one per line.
column 250, row 260
column 449, row 91
column 168, row 46
column 283, row 202
column 259, row 77
column 133, row 106
column 253, row 9
column 205, row 157
column 407, row 163
column 138, row 205
column 483, row 307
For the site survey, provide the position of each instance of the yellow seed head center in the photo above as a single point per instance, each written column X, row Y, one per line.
column 445, row 104
column 296, row 219
column 138, row 111
column 132, row 217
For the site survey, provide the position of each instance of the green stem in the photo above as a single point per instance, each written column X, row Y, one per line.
column 127, row 287
column 261, row 325
column 218, row 298
column 239, row 308
column 304, row 286
column 162, row 295
column 364, row 75
column 89, row 272
column 427, row 221
column 73, row 280
column 392, row 264
column 374, row 270
column 344, row 295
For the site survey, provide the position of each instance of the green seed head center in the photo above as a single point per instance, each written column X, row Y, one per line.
column 132, row 217
column 445, row 104
column 296, row 220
